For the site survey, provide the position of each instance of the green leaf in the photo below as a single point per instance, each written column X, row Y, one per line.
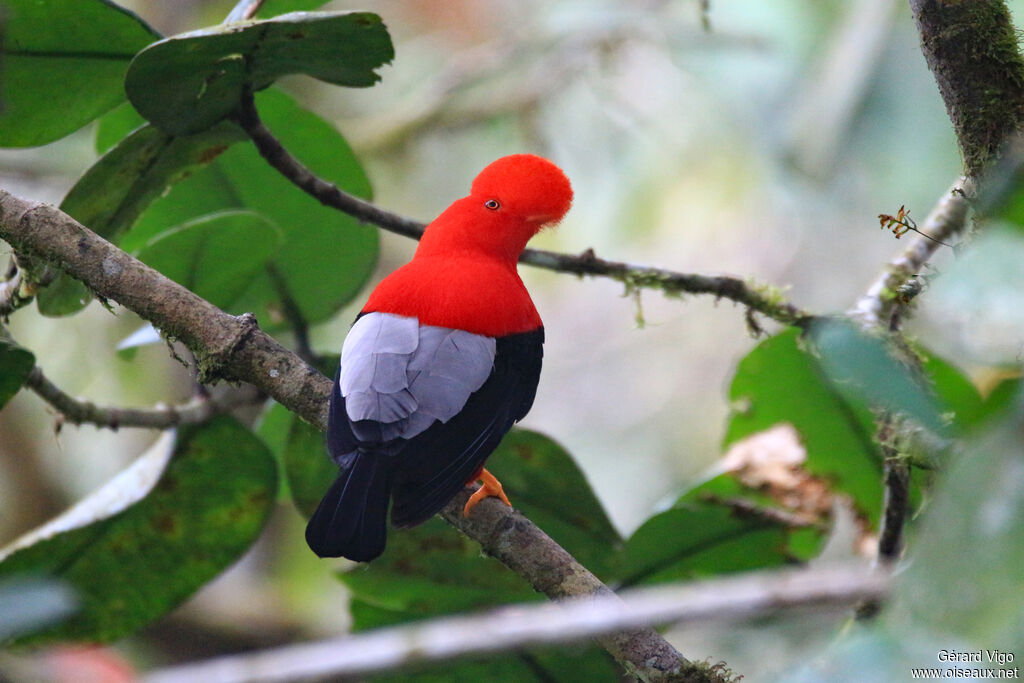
column 308, row 469
column 15, row 365
column 128, row 569
column 861, row 365
column 216, row 256
column 116, row 189
column 701, row 535
column 954, row 390
column 188, row 83
column 115, row 125
column 326, row 257
column 777, row 382
column 62, row 64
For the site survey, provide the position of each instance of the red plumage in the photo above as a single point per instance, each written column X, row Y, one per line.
column 463, row 275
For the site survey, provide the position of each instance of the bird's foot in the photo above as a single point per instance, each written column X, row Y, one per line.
column 490, row 486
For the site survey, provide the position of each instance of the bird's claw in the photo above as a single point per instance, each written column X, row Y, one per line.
column 490, row 486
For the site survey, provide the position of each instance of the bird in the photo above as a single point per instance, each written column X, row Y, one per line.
column 441, row 362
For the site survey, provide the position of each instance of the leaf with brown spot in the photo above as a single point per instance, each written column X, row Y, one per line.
column 131, row 568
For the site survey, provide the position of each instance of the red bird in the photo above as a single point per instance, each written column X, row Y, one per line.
column 441, row 362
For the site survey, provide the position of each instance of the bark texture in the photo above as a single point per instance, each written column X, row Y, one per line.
column 971, row 48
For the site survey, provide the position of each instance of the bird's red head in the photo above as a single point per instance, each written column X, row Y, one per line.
column 528, row 186
column 509, row 202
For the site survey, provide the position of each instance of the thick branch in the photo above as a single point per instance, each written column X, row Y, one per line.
column 77, row 411
column 235, row 349
column 505, row 629
column 971, row 48
column 762, row 299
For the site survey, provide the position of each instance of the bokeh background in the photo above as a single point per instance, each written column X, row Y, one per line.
column 756, row 139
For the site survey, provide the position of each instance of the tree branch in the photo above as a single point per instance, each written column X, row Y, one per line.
column 78, row 412
column 742, row 597
column 765, row 300
column 235, row 349
column 971, row 48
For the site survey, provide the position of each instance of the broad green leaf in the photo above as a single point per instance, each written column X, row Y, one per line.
column 215, row 256
column 861, row 366
column 302, row 450
column 326, row 257
column 701, row 535
column 188, row 83
column 208, row 507
column 777, row 382
column 62, row 64
column 15, row 365
column 116, row 189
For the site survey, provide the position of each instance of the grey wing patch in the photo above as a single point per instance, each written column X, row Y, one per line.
column 398, row 378
column 374, row 359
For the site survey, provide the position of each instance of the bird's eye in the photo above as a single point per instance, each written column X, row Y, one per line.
column 492, row 204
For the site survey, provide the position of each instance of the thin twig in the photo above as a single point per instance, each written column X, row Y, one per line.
column 947, row 219
column 765, row 300
column 244, row 10
column 509, row 628
column 77, row 411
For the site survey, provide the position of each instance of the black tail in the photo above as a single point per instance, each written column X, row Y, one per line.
column 351, row 520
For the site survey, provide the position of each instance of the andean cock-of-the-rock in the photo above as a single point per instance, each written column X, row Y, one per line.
column 443, row 359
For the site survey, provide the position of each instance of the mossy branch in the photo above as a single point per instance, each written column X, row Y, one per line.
column 972, row 49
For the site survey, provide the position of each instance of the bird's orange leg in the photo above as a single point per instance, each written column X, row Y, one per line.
column 490, row 487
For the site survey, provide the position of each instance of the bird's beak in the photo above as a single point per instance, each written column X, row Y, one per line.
column 543, row 219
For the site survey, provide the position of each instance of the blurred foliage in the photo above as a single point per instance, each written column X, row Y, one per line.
column 180, row 189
